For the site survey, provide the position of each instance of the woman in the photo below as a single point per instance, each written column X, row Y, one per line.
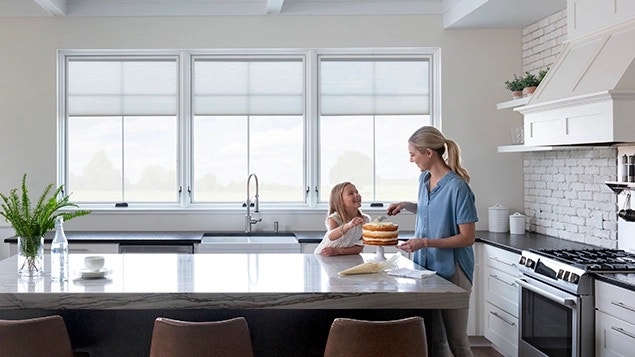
column 445, row 230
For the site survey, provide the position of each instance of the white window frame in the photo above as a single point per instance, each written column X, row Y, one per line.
column 311, row 147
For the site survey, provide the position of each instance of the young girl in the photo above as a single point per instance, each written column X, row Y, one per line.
column 344, row 222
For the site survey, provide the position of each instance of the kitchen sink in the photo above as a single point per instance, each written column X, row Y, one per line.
column 246, row 238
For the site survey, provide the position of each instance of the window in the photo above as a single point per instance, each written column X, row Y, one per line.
column 185, row 129
column 121, row 129
column 368, row 108
column 248, row 116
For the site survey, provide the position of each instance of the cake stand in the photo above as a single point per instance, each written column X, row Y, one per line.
column 379, row 254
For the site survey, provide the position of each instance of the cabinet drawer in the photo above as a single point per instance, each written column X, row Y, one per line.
column 501, row 259
column 501, row 290
column 615, row 300
column 501, row 329
column 97, row 248
column 613, row 337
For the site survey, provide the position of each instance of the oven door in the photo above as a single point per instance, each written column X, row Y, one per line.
column 549, row 321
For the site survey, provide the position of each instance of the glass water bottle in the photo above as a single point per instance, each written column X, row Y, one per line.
column 59, row 252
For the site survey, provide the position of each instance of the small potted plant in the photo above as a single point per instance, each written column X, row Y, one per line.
column 531, row 82
column 516, row 86
column 32, row 222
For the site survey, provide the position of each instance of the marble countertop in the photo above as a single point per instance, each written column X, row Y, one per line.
column 227, row 281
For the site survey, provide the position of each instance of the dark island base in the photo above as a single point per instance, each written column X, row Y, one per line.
column 126, row 333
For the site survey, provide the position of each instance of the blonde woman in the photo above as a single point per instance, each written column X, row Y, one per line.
column 444, row 231
column 343, row 222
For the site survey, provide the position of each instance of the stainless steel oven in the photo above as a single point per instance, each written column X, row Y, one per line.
column 553, row 322
column 557, row 304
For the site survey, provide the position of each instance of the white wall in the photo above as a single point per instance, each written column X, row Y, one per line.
column 475, row 64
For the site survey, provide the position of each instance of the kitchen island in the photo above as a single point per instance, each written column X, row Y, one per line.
column 289, row 300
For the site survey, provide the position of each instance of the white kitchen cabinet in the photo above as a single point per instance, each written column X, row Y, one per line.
column 309, row 247
column 500, row 299
column 587, row 16
column 614, row 320
column 79, row 248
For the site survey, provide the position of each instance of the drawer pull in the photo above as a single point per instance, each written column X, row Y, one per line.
column 622, row 305
column 503, row 262
column 501, row 280
column 622, row 331
column 510, row 323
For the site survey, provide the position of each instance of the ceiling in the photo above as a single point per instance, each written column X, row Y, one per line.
column 456, row 13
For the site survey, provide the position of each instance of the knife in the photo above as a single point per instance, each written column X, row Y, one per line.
column 381, row 218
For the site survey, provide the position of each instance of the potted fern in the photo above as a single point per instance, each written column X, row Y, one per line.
column 32, row 222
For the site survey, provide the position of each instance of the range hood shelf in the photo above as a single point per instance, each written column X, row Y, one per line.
column 618, row 187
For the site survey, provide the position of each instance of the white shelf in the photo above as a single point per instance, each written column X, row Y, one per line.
column 513, row 103
column 523, row 148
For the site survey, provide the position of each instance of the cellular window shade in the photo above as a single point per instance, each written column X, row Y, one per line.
column 136, row 87
column 374, row 87
column 248, row 87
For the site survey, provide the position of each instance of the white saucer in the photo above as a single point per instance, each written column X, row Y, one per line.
column 99, row 274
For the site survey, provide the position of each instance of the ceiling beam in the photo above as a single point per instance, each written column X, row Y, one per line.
column 53, row 7
column 274, row 7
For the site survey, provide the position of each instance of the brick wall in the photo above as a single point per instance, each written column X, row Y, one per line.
column 565, row 194
column 543, row 41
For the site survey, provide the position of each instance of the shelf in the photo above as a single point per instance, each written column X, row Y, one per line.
column 618, row 187
column 513, row 103
column 523, row 148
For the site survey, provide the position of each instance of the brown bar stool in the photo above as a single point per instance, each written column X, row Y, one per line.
column 175, row 338
column 40, row 336
column 361, row 338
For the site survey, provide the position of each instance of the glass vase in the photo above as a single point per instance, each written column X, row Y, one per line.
column 30, row 256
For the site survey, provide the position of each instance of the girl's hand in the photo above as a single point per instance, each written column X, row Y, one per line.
column 355, row 222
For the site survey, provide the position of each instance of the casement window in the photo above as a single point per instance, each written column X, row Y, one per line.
column 184, row 129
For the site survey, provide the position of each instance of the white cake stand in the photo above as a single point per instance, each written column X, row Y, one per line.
column 379, row 255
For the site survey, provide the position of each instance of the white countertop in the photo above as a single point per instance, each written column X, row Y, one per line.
column 227, row 281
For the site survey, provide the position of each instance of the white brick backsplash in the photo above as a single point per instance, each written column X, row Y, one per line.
column 565, row 194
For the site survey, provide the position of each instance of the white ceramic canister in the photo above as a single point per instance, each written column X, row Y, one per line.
column 498, row 219
column 517, row 223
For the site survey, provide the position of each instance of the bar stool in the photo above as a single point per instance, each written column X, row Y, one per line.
column 40, row 336
column 361, row 338
column 175, row 338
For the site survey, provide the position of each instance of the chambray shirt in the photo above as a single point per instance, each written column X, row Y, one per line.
column 439, row 214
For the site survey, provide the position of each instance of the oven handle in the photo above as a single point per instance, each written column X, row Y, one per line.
column 548, row 295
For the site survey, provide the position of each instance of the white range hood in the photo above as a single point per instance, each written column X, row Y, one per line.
column 588, row 96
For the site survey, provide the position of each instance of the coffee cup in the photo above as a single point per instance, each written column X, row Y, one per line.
column 94, row 262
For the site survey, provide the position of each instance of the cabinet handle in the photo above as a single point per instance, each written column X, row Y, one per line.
column 501, row 280
column 622, row 331
column 502, row 319
column 622, row 305
column 503, row 262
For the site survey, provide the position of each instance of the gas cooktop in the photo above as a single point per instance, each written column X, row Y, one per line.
column 605, row 260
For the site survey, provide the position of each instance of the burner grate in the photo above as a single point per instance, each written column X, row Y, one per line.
column 602, row 259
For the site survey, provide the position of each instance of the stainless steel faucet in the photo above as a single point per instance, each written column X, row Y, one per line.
column 249, row 221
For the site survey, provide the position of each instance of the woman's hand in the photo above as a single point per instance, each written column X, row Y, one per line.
column 414, row 244
column 395, row 208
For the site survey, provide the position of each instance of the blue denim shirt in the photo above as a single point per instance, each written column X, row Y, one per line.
column 439, row 213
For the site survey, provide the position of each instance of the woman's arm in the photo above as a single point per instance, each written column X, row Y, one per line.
column 465, row 238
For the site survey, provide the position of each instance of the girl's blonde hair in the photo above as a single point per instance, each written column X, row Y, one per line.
column 429, row 137
column 336, row 203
